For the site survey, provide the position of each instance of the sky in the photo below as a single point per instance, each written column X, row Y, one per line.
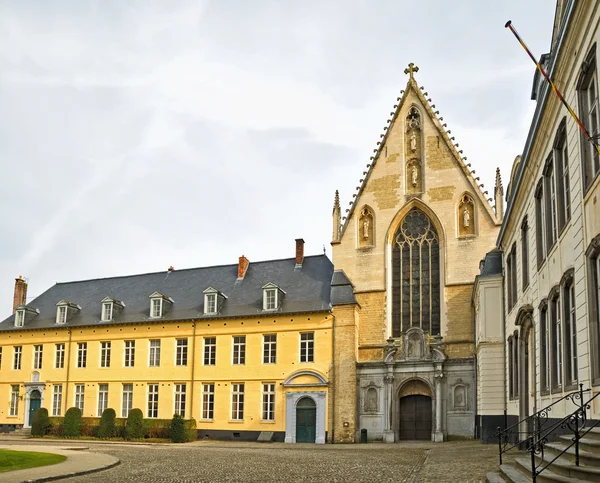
column 138, row 134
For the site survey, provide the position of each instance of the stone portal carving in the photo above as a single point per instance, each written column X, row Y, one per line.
column 413, row 152
column 460, row 392
column 35, row 376
column 365, row 227
column 466, row 213
column 371, row 400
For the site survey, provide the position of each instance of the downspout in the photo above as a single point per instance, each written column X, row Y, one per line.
column 475, row 361
column 504, row 370
column 193, row 368
column 332, row 377
column 68, row 369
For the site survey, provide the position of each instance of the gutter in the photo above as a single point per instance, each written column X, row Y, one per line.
column 541, row 105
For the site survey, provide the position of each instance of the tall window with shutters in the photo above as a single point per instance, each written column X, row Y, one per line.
column 590, row 116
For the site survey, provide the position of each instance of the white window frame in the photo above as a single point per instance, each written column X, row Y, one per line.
column 208, row 401
column 0, row 357
column 153, row 401
column 305, row 344
column 57, row 400
column 156, row 303
column 14, row 400
column 237, row 401
column 126, row 399
column 210, row 352
column 552, row 204
column 559, row 343
column 592, row 120
column 82, row 355
column 181, row 352
column 59, row 356
column 17, row 357
column 269, row 349
column 268, row 402
column 79, row 396
column 102, row 398
column 210, row 303
column 105, row 350
column 154, row 353
column 270, row 299
column 129, row 353
column 20, row 318
column 238, row 351
column 572, row 335
column 180, row 399
column 38, row 356
column 61, row 314
column 107, row 311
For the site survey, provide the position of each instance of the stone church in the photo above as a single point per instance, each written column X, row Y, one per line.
column 406, row 254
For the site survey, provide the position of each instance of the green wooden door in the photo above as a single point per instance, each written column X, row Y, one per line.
column 35, row 401
column 306, row 421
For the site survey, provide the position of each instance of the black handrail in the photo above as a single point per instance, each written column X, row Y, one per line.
column 535, row 424
column 575, row 422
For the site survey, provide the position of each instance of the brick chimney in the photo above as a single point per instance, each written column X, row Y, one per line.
column 299, row 252
column 242, row 267
column 20, row 297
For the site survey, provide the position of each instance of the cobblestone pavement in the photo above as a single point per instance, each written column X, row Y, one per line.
column 461, row 462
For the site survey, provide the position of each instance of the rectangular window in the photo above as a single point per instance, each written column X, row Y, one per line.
column 20, row 318
column 570, row 334
column 14, row 401
column 511, row 277
column 107, row 309
column 270, row 299
column 127, row 402
column 544, row 349
column 525, row 253
column 180, row 399
column 0, row 357
column 105, row 354
column 307, row 347
column 57, row 400
column 551, row 207
column 59, row 356
column 156, row 308
column 210, row 351
column 102, row 398
column 129, row 353
column 211, row 303
column 563, row 188
column 556, row 335
column 237, row 402
column 208, row 401
column 540, row 224
column 589, row 114
column 153, row 400
column 154, row 359
column 269, row 349
column 18, row 352
column 511, row 383
column 79, row 396
column 61, row 315
column 268, row 405
column 82, row 354
column 181, row 354
column 239, row 349
column 38, row 351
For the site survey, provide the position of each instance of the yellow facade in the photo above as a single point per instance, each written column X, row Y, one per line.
column 253, row 373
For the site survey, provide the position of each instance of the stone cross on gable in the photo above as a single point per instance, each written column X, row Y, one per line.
column 411, row 69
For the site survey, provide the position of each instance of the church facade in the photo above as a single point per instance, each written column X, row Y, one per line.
column 410, row 245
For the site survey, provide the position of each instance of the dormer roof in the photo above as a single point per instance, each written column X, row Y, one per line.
column 272, row 285
column 214, row 290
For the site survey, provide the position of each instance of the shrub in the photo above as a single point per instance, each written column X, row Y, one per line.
column 72, row 423
column 107, row 424
column 41, row 423
column 135, row 428
column 191, row 433
column 178, row 429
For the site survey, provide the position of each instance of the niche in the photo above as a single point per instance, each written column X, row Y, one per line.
column 466, row 216
column 366, row 231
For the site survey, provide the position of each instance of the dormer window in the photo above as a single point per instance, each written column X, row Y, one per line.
column 110, row 309
column 213, row 301
column 20, row 318
column 107, row 310
column 61, row 314
column 66, row 310
column 272, row 296
column 159, row 304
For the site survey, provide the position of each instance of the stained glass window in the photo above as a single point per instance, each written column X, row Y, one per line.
column 416, row 275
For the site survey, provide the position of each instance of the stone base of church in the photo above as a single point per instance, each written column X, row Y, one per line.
column 389, row 436
column 438, row 437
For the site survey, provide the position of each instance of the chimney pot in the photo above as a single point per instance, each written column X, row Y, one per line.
column 242, row 267
column 20, row 296
column 299, row 251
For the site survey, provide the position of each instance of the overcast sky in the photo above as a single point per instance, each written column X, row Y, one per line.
column 135, row 135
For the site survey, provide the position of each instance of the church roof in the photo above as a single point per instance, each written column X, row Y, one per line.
column 412, row 85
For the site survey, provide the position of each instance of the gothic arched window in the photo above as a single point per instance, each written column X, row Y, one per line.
column 416, row 275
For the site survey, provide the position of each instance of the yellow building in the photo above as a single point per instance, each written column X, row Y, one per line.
column 243, row 349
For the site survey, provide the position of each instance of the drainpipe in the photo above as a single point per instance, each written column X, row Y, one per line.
column 332, row 377
column 68, row 369
column 193, row 368
column 503, row 325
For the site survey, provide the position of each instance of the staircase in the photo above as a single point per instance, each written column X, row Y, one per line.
column 550, row 457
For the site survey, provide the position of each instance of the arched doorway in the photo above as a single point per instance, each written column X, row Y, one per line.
column 306, row 420
column 35, row 402
column 416, row 418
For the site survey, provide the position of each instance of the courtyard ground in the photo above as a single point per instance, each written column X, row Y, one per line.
column 460, row 461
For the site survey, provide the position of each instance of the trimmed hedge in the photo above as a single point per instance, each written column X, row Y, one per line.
column 135, row 428
column 72, row 423
column 40, row 423
column 107, row 429
column 178, row 429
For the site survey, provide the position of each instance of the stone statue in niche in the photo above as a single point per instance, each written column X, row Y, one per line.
column 371, row 400
column 414, row 349
column 413, row 121
column 466, row 210
column 413, row 142
column 365, row 227
column 466, row 218
column 415, row 175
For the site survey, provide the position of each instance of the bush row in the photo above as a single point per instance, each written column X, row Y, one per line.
column 109, row 426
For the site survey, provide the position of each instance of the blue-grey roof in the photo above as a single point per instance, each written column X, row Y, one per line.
column 342, row 290
column 492, row 263
column 307, row 289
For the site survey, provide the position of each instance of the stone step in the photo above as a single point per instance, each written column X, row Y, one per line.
column 510, row 473
column 559, row 470
column 585, row 457
column 587, row 444
column 494, row 477
column 593, row 433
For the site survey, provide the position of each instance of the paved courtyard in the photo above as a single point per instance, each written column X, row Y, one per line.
column 464, row 461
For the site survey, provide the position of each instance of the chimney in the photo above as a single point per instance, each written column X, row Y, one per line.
column 242, row 267
column 299, row 252
column 20, row 297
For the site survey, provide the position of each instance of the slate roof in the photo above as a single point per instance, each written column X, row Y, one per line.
column 342, row 290
column 307, row 289
column 492, row 263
